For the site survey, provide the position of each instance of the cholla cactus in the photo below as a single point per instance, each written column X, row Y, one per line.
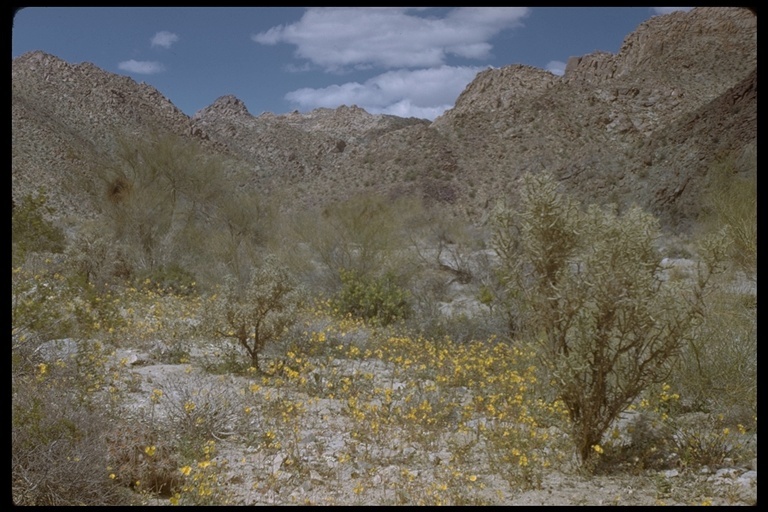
column 587, row 284
column 257, row 311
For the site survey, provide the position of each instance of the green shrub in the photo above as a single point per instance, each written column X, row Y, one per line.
column 163, row 201
column 587, row 286
column 50, row 305
column 708, row 441
column 31, row 231
column 366, row 234
column 96, row 258
column 376, row 299
column 731, row 201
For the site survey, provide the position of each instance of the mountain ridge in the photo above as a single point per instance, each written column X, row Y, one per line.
column 613, row 128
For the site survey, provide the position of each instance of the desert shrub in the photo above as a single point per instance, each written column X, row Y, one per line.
column 163, row 201
column 34, row 308
column 97, row 258
column 446, row 243
column 587, row 287
column 460, row 326
column 59, row 425
column 255, row 312
column 367, row 234
column 377, row 299
column 652, row 441
column 31, row 229
column 731, row 201
column 644, row 437
column 197, row 409
column 48, row 305
column 242, row 228
column 58, row 453
column 143, row 458
column 718, row 368
column 709, row 441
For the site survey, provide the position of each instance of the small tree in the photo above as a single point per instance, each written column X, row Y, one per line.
column 588, row 290
column 158, row 197
column 258, row 311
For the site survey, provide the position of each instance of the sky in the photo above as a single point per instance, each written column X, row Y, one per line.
column 409, row 62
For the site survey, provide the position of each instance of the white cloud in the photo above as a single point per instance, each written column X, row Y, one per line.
column 141, row 67
column 667, row 10
column 405, row 108
column 338, row 38
column 424, row 93
column 164, row 39
column 556, row 67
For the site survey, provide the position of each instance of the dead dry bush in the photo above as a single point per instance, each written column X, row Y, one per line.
column 143, row 458
column 59, row 450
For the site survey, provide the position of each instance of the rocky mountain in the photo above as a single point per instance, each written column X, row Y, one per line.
column 642, row 126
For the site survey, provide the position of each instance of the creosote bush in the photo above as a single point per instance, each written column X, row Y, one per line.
column 586, row 285
column 376, row 299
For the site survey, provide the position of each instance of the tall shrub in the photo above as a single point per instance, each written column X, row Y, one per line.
column 587, row 287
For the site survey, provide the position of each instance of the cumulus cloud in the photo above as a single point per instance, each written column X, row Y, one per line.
column 164, row 39
column 556, row 67
column 424, row 93
column 667, row 10
column 141, row 67
column 341, row 38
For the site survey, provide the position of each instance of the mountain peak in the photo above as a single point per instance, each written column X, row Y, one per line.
column 227, row 106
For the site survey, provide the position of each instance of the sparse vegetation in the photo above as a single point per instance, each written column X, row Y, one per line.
column 315, row 366
column 32, row 229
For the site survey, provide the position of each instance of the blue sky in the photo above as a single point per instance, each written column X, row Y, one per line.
column 401, row 61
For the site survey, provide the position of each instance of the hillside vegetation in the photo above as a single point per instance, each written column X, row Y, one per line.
column 548, row 295
column 193, row 345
